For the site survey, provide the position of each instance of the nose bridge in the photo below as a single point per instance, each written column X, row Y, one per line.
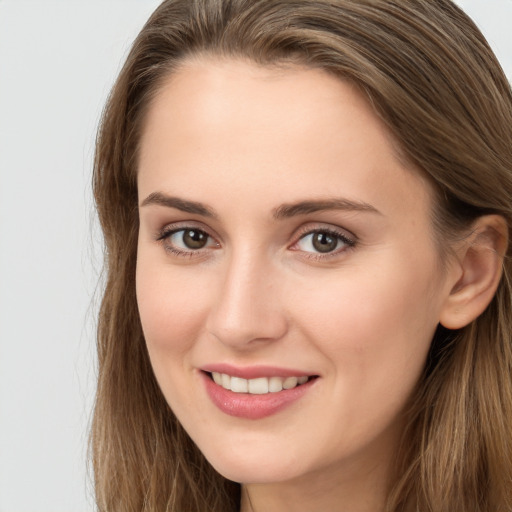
column 247, row 307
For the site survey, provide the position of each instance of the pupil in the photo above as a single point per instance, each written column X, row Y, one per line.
column 323, row 242
column 195, row 239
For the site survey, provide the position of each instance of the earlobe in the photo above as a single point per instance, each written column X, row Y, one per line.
column 480, row 258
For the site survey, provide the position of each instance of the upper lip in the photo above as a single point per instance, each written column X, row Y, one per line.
column 254, row 372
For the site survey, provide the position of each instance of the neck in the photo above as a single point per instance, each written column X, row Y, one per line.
column 363, row 491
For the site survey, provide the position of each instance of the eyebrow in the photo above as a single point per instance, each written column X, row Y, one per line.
column 284, row 211
column 157, row 198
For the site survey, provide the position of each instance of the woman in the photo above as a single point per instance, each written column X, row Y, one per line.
column 307, row 212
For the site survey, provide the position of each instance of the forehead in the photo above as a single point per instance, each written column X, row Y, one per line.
column 302, row 129
column 248, row 100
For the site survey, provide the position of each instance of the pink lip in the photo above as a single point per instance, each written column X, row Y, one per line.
column 253, row 372
column 253, row 407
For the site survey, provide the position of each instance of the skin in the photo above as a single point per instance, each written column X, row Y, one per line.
column 244, row 140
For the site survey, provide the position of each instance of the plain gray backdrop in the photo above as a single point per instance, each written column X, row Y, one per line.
column 58, row 60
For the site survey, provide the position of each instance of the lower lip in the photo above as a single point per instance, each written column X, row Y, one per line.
column 253, row 407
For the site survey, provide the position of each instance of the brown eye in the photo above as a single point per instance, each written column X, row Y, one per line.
column 324, row 242
column 187, row 240
column 194, row 238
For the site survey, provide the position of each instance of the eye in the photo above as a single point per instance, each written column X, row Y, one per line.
column 185, row 241
column 323, row 241
column 189, row 239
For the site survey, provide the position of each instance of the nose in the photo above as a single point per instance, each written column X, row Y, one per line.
column 247, row 310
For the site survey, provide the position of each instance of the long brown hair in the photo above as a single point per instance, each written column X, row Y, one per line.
column 433, row 79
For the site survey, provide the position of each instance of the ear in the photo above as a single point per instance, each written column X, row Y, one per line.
column 479, row 268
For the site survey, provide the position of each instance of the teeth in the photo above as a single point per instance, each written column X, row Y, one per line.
column 225, row 381
column 275, row 384
column 239, row 385
column 259, row 386
column 290, row 383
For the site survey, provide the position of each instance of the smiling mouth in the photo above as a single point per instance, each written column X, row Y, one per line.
column 258, row 386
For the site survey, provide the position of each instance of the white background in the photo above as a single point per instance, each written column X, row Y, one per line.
column 58, row 60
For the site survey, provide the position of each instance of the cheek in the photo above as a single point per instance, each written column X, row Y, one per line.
column 375, row 331
column 360, row 303
column 170, row 307
column 374, row 326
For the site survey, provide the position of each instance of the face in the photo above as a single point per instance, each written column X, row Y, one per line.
column 288, row 275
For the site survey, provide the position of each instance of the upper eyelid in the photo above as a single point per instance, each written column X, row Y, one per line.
column 319, row 227
column 174, row 227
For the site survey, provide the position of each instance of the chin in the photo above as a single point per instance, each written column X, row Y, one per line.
column 257, row 468
column 244, row 474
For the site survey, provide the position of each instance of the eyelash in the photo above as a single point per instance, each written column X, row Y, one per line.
column 348, row 242
column 167, row 232
column 340, row 236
